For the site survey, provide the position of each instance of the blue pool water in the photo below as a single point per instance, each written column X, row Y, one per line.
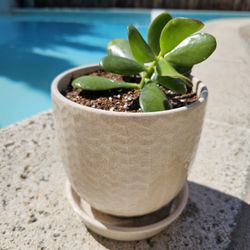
column 36, row 46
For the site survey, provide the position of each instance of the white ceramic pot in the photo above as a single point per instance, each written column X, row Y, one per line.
column 126, row 164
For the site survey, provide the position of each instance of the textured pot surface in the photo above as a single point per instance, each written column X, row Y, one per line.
column 126, row 164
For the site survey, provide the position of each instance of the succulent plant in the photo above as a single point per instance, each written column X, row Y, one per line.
column 173, row 47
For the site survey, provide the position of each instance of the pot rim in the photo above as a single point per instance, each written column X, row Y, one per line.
column 201, row 90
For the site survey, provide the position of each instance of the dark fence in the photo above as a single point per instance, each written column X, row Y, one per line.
column 174, row 4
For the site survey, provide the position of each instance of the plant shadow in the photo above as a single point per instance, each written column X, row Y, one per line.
column 208, row 222
column 35, row 52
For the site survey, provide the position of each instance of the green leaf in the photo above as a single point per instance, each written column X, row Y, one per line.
column 120, row 47
column 121, row 65
column 164, row 68
column 176, row 30
column 173, row 84
column 153, row 99
column 192, row 50
column 97, row 83
column 154, row 31
column 185, row 70
column 140, row 49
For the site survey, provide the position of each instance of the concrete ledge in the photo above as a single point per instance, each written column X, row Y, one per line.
column 34, row 212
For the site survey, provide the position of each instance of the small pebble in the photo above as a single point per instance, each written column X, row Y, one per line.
column 111, row 109
column 110, row 99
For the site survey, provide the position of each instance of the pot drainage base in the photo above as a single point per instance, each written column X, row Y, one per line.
column 129, row 228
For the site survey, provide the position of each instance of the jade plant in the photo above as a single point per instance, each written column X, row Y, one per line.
column 173, row 46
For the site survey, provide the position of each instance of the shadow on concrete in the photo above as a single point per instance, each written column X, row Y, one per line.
column 211, row 220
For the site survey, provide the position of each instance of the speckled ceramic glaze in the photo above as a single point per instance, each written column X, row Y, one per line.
column 126, row 164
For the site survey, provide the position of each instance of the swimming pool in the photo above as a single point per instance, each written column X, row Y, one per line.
column 37, row 45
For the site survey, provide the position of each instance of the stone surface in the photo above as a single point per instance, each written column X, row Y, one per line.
column 34, row 212
column 226, row 73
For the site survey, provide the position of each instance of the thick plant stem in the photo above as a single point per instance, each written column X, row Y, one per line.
column 149, row 71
